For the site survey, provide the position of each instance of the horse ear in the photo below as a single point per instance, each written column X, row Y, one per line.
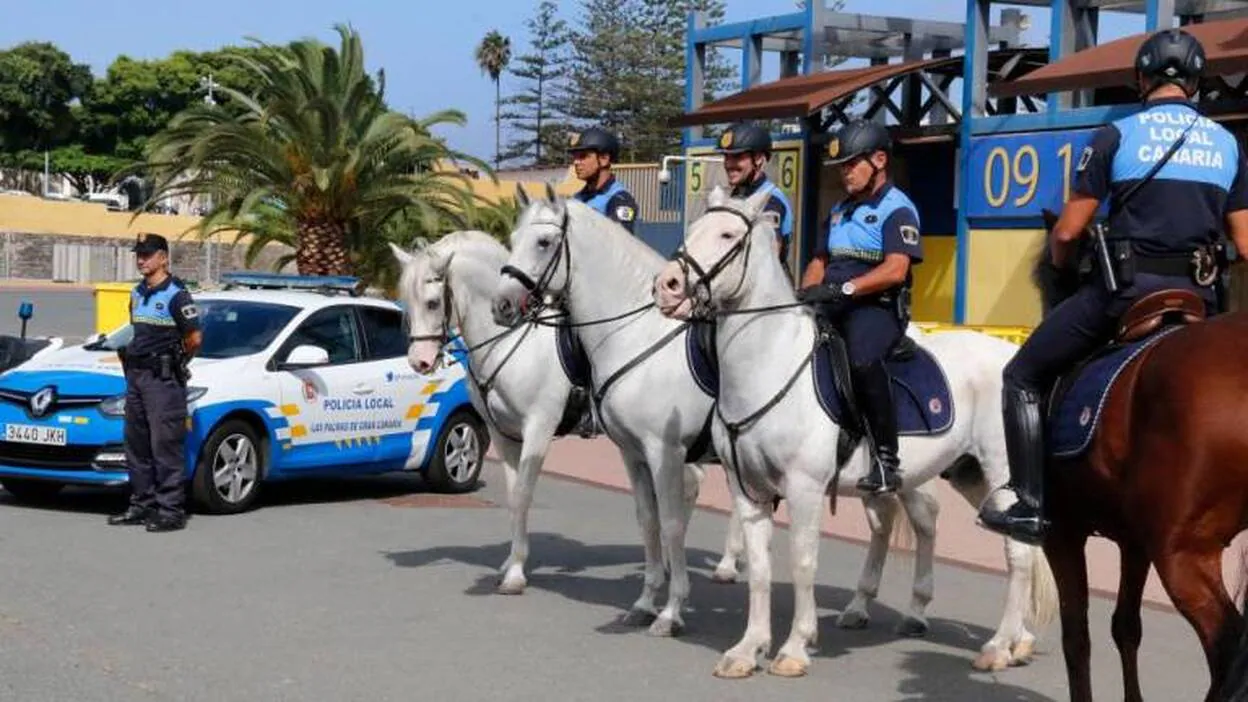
column 439, row 262
column 1050, row 219
column 522, row 197
column 420, row 244
column 756, row 202
column 404, row 257
column 551, row 196
column 717, row 198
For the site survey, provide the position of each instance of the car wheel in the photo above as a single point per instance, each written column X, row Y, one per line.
column 32, row 490
column 227, row 477
column 459, row 453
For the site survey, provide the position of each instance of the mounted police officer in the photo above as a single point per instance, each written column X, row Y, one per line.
column 1156, row 236
column 166, row 335
column 747, row 149
column 594, row 151
column 860, row 280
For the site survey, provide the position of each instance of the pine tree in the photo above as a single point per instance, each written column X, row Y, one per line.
column 533, row 112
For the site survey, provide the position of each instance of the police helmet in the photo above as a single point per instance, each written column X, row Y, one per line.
column 859, row 138
column 1170, row 56
column 596, row 139
column 743, row 137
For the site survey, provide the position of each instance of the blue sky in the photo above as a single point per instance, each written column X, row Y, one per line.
column 425, row 46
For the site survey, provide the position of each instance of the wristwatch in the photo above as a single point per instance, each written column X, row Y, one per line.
column 847, row 288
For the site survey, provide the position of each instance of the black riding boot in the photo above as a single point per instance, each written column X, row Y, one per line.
column 587, row 427
column 1024, row 440
column 875, row 392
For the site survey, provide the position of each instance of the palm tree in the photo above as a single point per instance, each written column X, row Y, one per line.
column 316, row 144
column 493, row 55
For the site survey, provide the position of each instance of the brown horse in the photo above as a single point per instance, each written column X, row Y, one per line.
column 1165, row 477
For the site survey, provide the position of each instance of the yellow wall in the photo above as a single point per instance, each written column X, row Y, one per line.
column 932, row 299
column 999, row 288
column 38, row 216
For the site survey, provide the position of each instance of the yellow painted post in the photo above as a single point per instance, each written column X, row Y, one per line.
column 112, row 305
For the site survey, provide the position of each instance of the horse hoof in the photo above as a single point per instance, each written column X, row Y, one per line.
column 853, row 620
column 1022, row 652
column 725, row 577
column 734, row 668
column 912, row 627
column 664, row 627
column 787, row 667
column 511, row 586
column 991, row 660
column 640, row 617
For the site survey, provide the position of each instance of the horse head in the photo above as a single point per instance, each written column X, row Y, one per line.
column 532, row 272
column 711, row 266
column 425, row 295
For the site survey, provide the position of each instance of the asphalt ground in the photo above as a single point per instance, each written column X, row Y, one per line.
column 372, row 590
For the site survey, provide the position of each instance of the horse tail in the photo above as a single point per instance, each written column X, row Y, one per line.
column 1043, row 605
column 903, row 532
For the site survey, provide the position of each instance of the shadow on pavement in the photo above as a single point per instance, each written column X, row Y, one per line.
column 937, row 676
column 716, row 614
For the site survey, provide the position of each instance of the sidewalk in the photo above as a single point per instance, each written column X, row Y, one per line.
column 959, row 540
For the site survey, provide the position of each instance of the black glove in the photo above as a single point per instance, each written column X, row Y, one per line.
column 820, row 295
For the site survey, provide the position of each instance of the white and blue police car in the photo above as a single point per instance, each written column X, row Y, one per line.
column 298, row 376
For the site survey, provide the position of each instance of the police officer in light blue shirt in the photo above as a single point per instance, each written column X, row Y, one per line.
column 1156, row 239
column 593, row 152
column 860, row 281
column 746, row 149
column 166, row 334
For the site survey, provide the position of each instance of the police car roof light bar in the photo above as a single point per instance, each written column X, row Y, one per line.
column 282, row 281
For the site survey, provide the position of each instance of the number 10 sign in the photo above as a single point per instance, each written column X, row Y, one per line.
column 1017, row 175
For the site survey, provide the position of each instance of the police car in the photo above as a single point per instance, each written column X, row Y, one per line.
column 298, row 376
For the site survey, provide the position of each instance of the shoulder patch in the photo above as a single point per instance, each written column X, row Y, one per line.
column 190, row 311
column 1084, row 158
column 909, row 234
column 625, row 213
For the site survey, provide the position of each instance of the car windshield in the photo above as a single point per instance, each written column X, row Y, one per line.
column 231, row 328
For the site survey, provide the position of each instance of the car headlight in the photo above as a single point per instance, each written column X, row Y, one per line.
column 116, row 406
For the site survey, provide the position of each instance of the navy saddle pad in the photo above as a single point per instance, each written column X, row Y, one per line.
column 921, row 392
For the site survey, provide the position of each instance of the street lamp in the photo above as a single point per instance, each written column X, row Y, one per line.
column 665, row 176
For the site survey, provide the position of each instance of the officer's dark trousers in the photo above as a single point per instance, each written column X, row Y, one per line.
column 155, row 441
column 870, row 331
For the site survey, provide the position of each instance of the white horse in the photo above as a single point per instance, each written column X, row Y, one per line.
column 516, row 381
column 790, row 449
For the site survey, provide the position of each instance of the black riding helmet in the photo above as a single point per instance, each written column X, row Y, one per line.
column 859, row 138
column 743, row 137
column 1170, row 56
column 596, row 139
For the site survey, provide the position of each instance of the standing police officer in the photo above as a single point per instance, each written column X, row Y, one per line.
column 593, row 153
column 1178, row 214
column 860, row 279
column 166, row 335
column 746, row 149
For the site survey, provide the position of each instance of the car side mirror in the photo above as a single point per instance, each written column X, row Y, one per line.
column 305, row 356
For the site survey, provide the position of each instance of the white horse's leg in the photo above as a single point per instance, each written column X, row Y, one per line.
column 644, row 611
column 805, row 498
column 922, row 508
column 741, row 660
column 531, row 455
column 734, row 546
column 676, row 488
column 881, row 512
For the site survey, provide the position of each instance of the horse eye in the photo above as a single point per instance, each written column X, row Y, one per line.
column 726, row 236
column 543, row 243
column 432, row 304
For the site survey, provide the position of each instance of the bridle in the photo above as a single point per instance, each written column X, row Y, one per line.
column 535, row 300
column 743, row 246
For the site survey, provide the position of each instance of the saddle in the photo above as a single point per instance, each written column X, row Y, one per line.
column 1077, row 398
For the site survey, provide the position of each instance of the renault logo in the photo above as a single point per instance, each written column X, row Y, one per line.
column 41, row 401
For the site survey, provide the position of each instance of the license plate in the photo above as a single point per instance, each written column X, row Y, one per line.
column 35, row 434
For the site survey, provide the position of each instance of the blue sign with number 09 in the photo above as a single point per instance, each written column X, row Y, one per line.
column 1018, row 175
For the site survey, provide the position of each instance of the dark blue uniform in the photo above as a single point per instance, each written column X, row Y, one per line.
column 860, row 235
column 1182, row 208
column 777, row 203
column 155, row 432
column 613, row 200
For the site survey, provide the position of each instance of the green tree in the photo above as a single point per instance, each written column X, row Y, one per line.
column 316, row 144
column 532, row 112
column 38, row 85
column 493, row 54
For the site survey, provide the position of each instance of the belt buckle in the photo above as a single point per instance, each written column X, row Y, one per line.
column 1204, row 267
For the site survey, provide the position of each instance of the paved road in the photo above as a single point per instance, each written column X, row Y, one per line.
column 368, row 590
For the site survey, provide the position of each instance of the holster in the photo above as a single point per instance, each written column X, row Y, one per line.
column 897, row 301
column 1203, row 266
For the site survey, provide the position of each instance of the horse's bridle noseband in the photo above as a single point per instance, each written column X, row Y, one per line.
column 687, row 262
